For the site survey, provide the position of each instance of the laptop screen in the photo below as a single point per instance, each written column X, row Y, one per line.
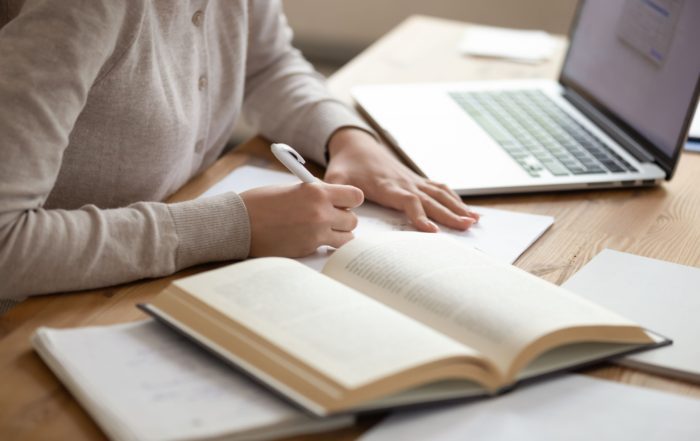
column 638, row 61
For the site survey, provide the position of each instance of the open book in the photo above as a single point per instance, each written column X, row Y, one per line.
column 396, row 319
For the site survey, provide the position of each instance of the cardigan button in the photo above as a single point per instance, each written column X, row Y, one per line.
column 198, row 18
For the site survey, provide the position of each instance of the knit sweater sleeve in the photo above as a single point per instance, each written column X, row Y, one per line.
column 286, row 98
column 52, row 54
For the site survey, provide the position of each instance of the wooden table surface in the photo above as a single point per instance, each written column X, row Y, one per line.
column 661, row 222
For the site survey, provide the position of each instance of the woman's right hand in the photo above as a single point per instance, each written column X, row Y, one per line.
column 293, row 221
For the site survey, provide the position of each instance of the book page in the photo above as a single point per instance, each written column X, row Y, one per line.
column 347, row 336
column 143, row 381
column 491, row 307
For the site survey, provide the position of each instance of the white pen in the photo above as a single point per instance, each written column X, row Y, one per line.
column 293, row 161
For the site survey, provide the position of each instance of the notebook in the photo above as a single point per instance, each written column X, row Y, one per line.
column 618, row 116
column 139, row 381
column 661, row 295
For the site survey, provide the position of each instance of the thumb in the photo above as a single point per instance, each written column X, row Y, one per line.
column 345, row 196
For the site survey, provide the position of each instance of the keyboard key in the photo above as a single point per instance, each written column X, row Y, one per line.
column 555, row 167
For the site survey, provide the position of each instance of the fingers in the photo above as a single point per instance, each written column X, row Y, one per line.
column 445, row 216
column 447, row 189
column 337, row 239
column 448, row 198
column 342, row 223
column 343, row 220
column 345, row 196
column 412, row 206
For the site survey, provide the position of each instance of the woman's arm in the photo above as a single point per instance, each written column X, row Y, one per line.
column 288, row 102
column 285, row 98
column 50, row 57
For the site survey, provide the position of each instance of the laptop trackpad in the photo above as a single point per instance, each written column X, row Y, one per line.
column 456, row 151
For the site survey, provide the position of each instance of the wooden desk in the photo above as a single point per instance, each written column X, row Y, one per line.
column 660, row 222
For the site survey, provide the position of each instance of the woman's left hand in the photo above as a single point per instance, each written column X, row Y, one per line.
column 358, row 159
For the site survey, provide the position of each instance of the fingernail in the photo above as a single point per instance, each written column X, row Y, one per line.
column 468, row 221
column 430, row 225
column 474, row 215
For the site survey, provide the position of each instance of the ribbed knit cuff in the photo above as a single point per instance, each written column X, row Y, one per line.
column 327, row 117
column 211, row 229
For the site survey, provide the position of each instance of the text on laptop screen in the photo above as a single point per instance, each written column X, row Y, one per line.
column 640, row 60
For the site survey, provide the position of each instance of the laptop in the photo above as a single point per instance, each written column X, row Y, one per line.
column 618, row 116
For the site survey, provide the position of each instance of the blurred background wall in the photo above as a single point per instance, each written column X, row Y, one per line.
column 333, row 31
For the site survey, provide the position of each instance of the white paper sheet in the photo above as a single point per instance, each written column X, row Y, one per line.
column 513, row 44
column 661, row 296
column 143, row 381
column 572, row 408
column 499, row 233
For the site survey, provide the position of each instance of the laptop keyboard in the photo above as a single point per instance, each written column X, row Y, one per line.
column 538, row 134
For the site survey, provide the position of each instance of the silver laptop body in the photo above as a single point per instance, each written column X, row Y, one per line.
column 618, row 116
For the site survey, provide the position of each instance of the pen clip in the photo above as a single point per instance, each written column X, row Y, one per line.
column 293, row 152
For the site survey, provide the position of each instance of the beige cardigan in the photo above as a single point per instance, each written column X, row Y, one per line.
column 107, row 107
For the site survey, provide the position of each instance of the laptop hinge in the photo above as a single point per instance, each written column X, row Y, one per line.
column 608, row 127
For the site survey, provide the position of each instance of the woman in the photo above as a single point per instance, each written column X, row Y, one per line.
column 108, row 107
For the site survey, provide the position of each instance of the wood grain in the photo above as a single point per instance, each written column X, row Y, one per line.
column 661, row 222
